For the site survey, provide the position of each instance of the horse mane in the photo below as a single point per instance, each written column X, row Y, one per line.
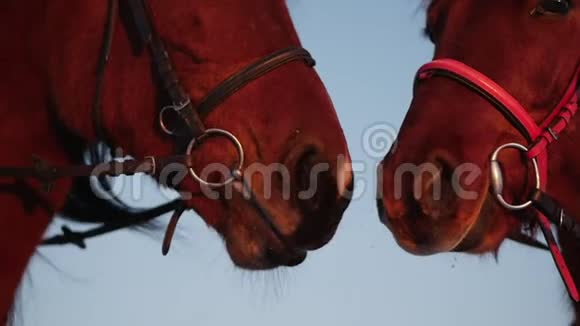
column 84, row 206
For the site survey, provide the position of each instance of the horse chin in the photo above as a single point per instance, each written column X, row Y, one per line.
column 476, row 237
column 257, row 248
column 253, row 244
column 465, row 229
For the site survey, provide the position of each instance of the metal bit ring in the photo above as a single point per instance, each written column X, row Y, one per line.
column 235, row 173
column 497, row 177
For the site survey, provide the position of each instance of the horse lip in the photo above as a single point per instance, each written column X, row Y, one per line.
column 264, row 215
column 473, row 235
column 291, row 255
column 299, row 259
column 474, row 232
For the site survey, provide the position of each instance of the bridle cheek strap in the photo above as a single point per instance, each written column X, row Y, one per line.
column 538, row 136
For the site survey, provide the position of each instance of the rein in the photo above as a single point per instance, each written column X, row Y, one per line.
column 539, row 137
column 189, row 131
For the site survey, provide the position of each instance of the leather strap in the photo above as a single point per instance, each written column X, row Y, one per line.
column 46, row 172
column 556, row 123
column 479, row 83
column 555, row 213
column 176, row 95
column 78, row 238
column 112, row 11
column 257, row 69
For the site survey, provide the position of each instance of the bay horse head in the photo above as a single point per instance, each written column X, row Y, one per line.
column 214, row 82
column 504, row 73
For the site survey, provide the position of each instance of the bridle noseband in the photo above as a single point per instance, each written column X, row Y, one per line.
column 189, row 133
column 538, row 138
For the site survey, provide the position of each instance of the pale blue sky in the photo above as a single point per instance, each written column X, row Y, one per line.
column 367, row 53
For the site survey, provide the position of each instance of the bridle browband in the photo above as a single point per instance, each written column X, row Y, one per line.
column 191, row 131
column 538, row 138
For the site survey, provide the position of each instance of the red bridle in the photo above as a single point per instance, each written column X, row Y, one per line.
column 538, row 136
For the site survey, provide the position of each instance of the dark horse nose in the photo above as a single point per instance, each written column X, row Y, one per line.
column 321, row 196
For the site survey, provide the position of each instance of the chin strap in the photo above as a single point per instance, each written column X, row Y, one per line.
column 170, row 231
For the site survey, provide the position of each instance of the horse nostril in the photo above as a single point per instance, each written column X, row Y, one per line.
column 315, row 186
column 434, row 189
column 316, row 195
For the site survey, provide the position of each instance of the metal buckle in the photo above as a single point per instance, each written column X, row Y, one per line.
column 176, row 108
column 552, row 133
column 497, row 176
column 236, row 173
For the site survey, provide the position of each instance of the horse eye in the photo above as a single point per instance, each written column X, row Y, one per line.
column 552, row 7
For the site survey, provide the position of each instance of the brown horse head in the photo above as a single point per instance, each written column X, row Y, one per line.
column 284, row 119
column 436, row 189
